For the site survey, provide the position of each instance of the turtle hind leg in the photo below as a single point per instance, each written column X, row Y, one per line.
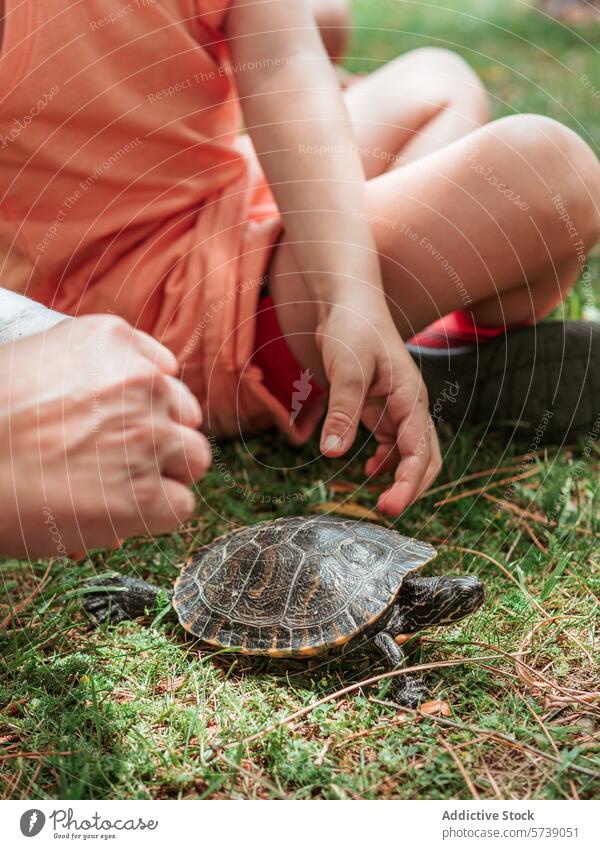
column 118, row 597
column 407, row 690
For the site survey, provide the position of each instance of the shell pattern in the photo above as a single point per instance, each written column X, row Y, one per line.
column 294, row 586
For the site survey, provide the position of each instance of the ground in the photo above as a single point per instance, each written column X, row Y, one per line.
column 141, row 711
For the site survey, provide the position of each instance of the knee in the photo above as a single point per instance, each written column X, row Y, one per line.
column 334, row 19
column 441, row 58
column 460, row 79
column 562, row 164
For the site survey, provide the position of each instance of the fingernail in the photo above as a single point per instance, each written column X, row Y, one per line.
column 332, row 443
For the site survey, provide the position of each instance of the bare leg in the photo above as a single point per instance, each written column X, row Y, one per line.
column 487, row 214
column 477, row 224
column 407, row 690
column 415, row 105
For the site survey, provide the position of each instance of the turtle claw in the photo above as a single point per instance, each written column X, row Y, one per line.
column 409, row 692
column 108, row 613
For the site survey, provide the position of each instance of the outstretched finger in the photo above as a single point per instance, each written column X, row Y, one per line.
column 346, row 401
column 414, row 446
column 385, row 458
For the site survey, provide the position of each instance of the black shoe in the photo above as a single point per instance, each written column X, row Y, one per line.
column 542, row 381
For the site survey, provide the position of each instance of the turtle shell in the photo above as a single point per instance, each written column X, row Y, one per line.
column 294, row 586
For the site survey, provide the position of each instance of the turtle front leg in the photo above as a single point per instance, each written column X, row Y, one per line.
column 407, row 690
column 119, row 597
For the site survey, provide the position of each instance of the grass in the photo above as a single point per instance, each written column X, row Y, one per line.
column 142, row 711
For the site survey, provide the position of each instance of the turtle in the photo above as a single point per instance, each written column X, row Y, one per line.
column 303, row 587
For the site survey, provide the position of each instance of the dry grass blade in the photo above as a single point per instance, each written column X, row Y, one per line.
column 319, row 760
column 518, row 464
column 504, row 739
column 482, row 490
column 545, row 733
column 473, row 477
column 582, row 696
column 347, row 487
column 512, row 578
column 33, row 755
column 493, row 783
column 536, row 718
column 533, row 537
column 520, row 512
column 252, row 776
column 378, row 729
column 526, row 645
column 27, row 601
column 460, row 766
column 351, row 688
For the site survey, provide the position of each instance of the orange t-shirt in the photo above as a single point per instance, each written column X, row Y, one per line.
column 126, row 185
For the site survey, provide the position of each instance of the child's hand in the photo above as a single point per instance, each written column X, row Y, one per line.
column 374, row 380
column 299, row 124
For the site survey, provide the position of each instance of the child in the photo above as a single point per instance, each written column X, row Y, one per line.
column 304, row 252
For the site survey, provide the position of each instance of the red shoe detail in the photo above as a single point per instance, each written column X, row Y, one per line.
column 455, row 330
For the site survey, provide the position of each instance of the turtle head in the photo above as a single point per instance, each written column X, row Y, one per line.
column 438, row 601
